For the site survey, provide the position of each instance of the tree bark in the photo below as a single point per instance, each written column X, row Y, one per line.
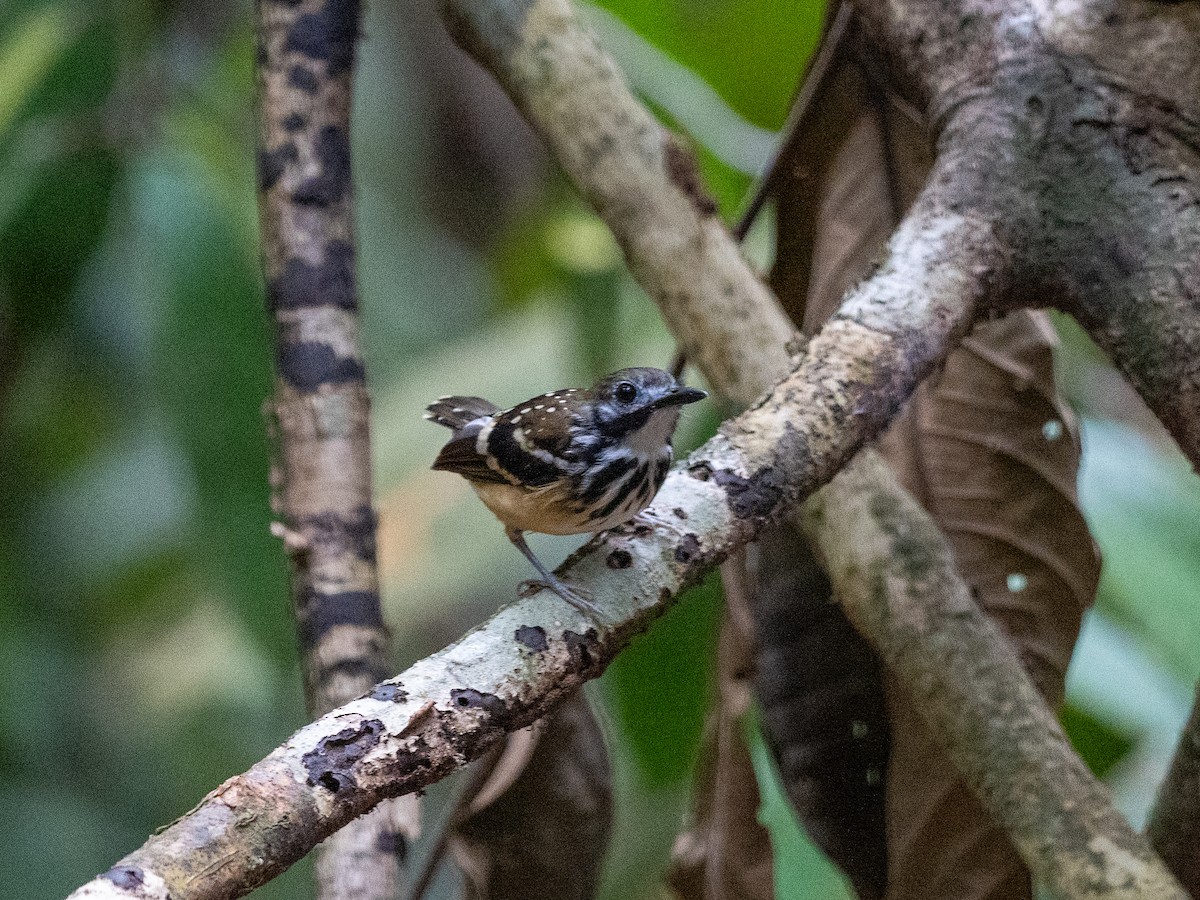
column 320, row 412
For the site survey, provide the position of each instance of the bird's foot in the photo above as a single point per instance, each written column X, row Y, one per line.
column 648, row 520
column 576, row 596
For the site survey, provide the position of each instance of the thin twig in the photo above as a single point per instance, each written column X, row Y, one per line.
column 811, row 84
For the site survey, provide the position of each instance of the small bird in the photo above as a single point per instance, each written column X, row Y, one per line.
column 567, row 462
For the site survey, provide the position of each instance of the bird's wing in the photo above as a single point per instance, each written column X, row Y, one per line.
column 461, row 457
column 533, row 441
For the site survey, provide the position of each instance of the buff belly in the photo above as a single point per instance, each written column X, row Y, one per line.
column 550, row 510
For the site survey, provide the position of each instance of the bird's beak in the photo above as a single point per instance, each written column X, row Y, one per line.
column 679, row 396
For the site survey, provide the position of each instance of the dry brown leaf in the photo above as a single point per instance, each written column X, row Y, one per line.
column 987, row 447
column 726, row 853
column 992, row 453
column 538, row 828
column 823, row 710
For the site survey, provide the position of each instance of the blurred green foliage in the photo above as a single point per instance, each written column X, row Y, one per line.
column 146, row 650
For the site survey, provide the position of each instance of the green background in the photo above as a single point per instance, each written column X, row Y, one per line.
column 146, row 650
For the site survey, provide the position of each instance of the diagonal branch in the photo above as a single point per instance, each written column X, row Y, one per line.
column 895, row 576
column 322, row 474
column 513, row 669
column 1174, row 829
column 945, row 264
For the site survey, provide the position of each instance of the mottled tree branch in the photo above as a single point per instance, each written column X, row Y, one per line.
column 513, row 669
column 1101, row 162
column 322, row 471
column 896, row 579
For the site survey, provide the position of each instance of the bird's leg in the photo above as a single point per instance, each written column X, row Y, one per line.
column 573, row 595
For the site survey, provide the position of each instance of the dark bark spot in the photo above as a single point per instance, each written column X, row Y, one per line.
column 682, row 170
column 331, row 764
column 389, row 693
column 352, row 533
column 680, row 513
column 128, row 878
column 533, row 637
column 332, row 182
column 580, row 646
column 393, row 842
column 328, row 34
column 369, row 670
column 320, row 612
column 619, row 559
column 688, row 549
column 272, row 163
column 701, row 471
column 328, row 283
column 751, row 498
column 469, row 698
column 308, row 365
column 294, row 121
column 301, row 78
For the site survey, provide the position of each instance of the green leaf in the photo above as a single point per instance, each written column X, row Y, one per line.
column 1101, row 745
column 1147, row 530
column 662, row 683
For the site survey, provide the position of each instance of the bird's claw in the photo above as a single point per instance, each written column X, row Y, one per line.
column 577, row 597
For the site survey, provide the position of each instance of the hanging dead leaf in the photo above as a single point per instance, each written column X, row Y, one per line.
column 538, row 827
column 726, row 854
column 823, row 711
column 992, row 453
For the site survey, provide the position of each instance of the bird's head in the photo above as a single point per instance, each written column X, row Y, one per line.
column 630, row 402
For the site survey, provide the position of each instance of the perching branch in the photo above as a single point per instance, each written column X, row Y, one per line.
column 1102, row 162
column 450, row 707
column 320, row 411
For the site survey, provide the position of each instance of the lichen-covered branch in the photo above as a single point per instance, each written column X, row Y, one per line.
column 513, row 669
column 322, row 471
column 1174, row 826
column 897, row 581
column 952, row 257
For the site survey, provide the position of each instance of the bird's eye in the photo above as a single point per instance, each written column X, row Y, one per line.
column 626, row 392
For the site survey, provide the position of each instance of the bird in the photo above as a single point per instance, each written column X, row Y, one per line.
column 570, row 461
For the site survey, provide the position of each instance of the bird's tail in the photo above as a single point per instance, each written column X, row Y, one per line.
column 455, row 412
